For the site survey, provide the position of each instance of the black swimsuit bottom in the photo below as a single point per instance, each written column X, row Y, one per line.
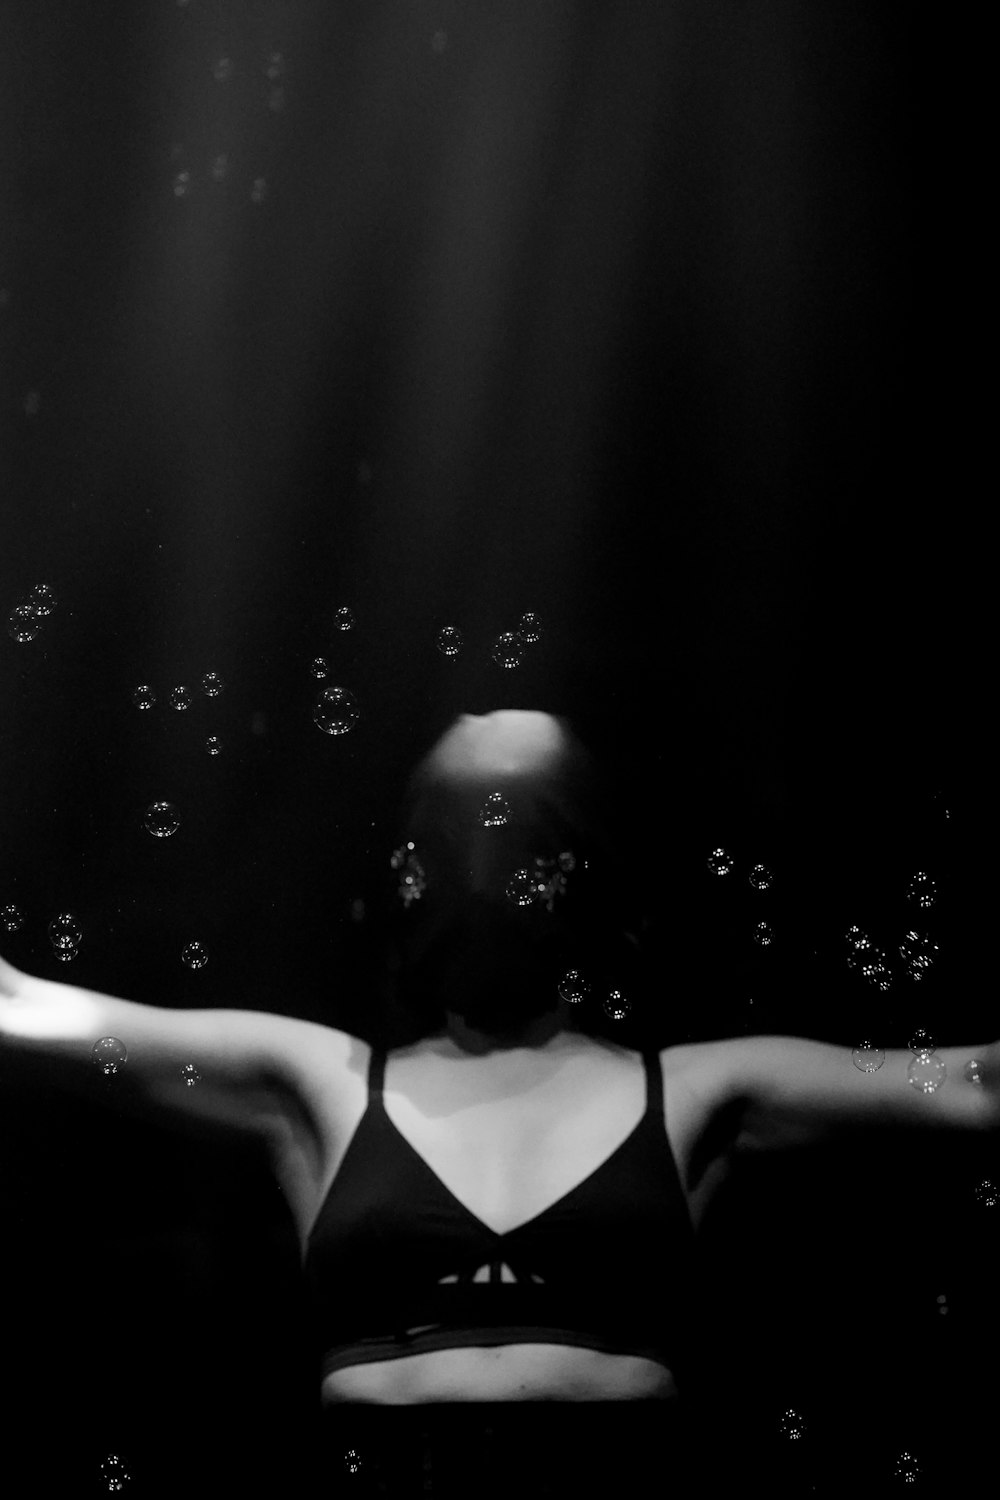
column 520, row 1450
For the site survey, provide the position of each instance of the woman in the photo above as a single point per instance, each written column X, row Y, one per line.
column 497, row 1220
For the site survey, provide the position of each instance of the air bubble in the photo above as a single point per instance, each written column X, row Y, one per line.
column 906, row 1469
column 507, row 651
column 213, row 745
column 212, row 684
column 23, row 623
column 987, row 1193
column 223, row 70
column 530, row 628
column 275, row 66
column 344, row 618
column 220, row 166
column 11, row 918
column 190, row 1075
column 161, row 819
column 921, row 1041
column 259, row 190
column 449, row 640
column 495, row 811
column 276, row 99
column 521, row 888
column 616, row 1005
column 180, row 699
column 143, row 696
column 319, row 666
column 926, row 1073
column 109, row 1055
column 720, row 862
column 922, row 891
column 763, row 934
column 32, row 403
column 64, row 932
column 182, row 184
column 335, row 711
column 867, row 1057
column 43, row 598
column 573, row 987
column 791, row 1425
column 195, row 955
column 973, row 1071
column 114, row 1474
column 761, row 878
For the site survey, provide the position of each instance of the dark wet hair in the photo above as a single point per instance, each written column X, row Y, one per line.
column 506, row 882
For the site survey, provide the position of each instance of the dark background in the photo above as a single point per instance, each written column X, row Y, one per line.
column 641, row 316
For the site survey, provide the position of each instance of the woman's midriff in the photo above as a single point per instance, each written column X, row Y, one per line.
column 509, row 1372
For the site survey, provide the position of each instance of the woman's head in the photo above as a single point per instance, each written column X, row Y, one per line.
column 500, row 869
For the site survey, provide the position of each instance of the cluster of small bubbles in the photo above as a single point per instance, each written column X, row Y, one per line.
column 720, row 862
column 109, row 1055
column 449, row 640
column 616, row 1005
column 761, row 878
column 335, row 711
column 926, row 1072
column 791, row 1425
column 182, row 184
column 922, row 891
column 319, row 666
column 973, row 1072
column 190, row 1075
column 917, row 951
column 529, row 629
column 987, row 1193
column 180, row 699
column 219, row 167
column 65, row 936
column 114, row 1474
column 922, row 1041
column 868, row 1058
column 763, row 934
column 259, row 190
column 906, row 1469
column 573, row 987
column 161, row 819
column 495, row 811
column 212, row 684
column 507, row 651
column 32, row 403
column 522, row 888
column 11, row 917
column 143, row 696
column 213, row 745
column 195, row 955
column 344, row 618
column 223, row 70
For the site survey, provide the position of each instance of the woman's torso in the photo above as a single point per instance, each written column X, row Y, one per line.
column 508, row 1134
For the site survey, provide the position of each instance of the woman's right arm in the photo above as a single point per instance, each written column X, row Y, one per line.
column 248, row 1069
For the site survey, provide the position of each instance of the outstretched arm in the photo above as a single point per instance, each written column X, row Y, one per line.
column 249, row 1068
column 790, row 1091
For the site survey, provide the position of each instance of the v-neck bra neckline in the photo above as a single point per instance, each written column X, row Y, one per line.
column 376, row 1106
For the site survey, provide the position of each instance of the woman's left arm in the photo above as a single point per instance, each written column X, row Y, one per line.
column 789, row 1091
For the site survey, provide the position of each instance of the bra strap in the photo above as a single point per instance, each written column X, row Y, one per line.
column 376, row 1075
column 654, row 1084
